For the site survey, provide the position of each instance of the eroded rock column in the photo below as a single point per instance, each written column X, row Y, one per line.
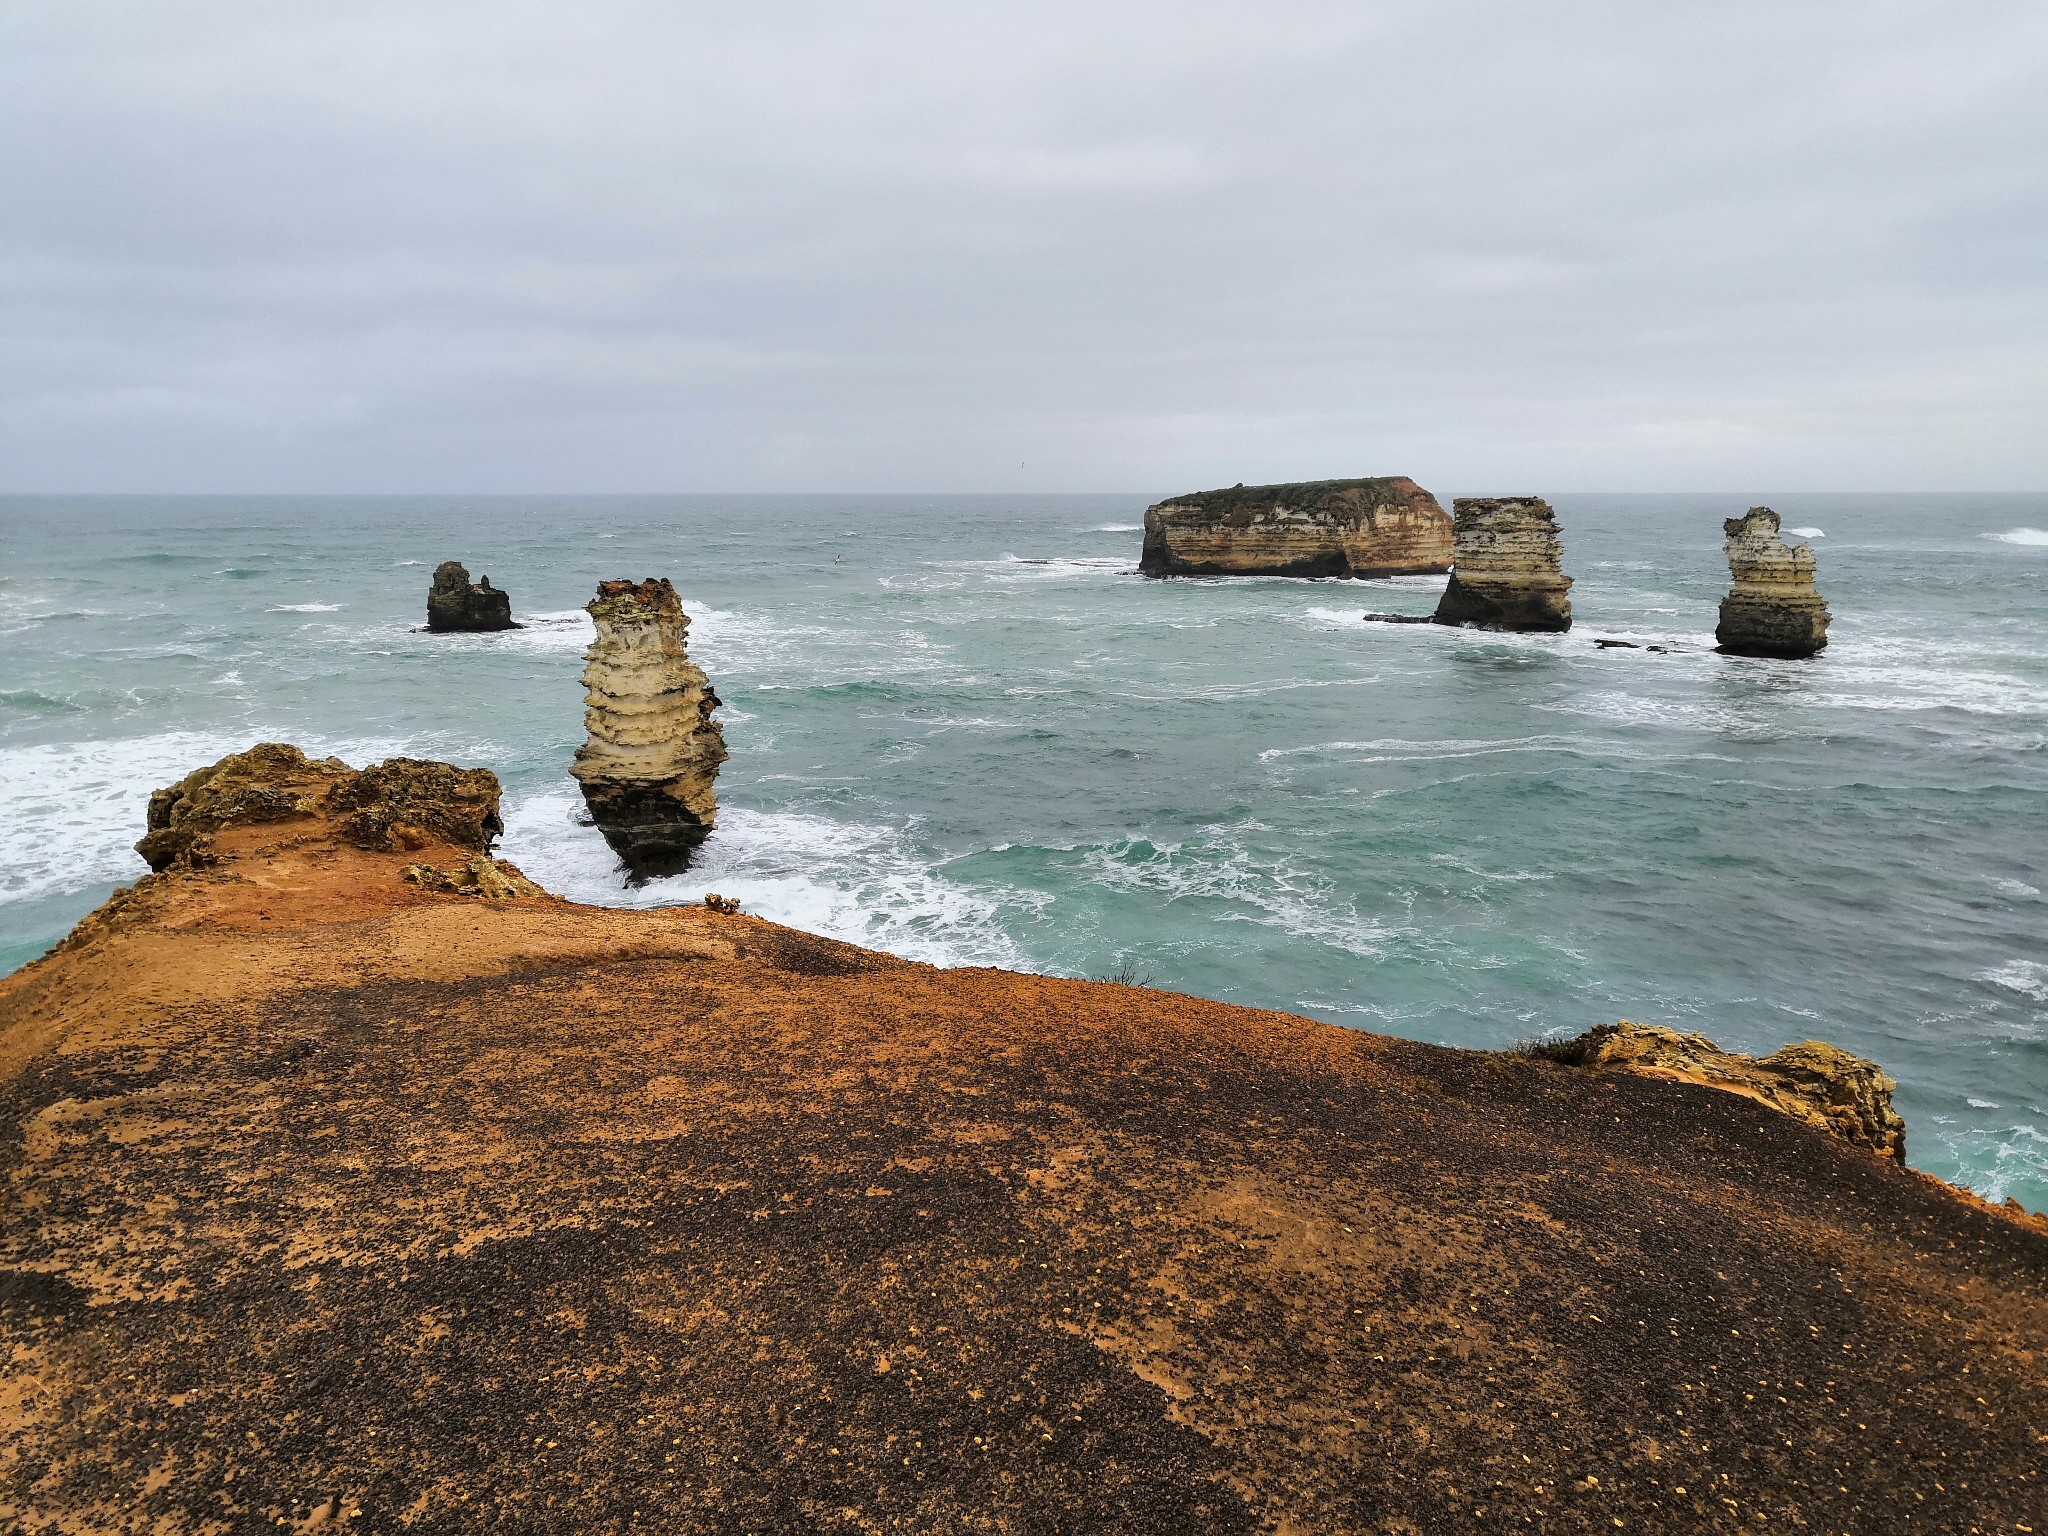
column 1506, row 570
column 653, row 752
column 1772, row 609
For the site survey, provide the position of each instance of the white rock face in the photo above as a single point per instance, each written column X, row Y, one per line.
column 650, row 763
column 1507, row 572
column 1771, row 608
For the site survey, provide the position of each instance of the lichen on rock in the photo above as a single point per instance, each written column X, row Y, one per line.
column 402, row 804
column 1822, row 1084
column 650, row 763
column 1772, row 608
column 494, row 879
column 1507, row 571
column 455, row 605
column 1386, row 526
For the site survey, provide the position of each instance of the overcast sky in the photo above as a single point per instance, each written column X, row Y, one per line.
column 982, row 245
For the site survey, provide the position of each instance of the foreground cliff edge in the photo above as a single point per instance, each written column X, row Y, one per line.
column 355, row 1183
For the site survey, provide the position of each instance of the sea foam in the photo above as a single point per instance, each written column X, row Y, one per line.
column 2036, row 537
column 862, row 883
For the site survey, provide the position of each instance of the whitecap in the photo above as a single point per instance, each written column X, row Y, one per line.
column 1272, row 893
column 1806, row 533
column 2027, row 977
column 1980, row 1104
column 70, row 813
column 1118, row 528
column 2030, row 536
column 1422, row 583
column 859, row 882
column 306, row 608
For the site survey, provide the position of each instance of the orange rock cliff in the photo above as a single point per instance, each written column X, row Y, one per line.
column 355, row 1183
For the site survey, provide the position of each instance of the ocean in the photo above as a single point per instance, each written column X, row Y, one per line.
column 963, row 729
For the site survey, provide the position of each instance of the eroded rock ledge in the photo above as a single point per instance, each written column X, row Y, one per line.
column 1821, row 1084
column 1507, row 570
column 1772, row 608
column 403, row 804
column 650, row 764
column 1375, row 527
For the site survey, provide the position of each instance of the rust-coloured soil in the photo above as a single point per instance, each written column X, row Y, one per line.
column 334, row 1204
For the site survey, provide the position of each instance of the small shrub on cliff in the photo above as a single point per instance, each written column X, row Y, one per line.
column 1565, row 1050
column 1126, row 974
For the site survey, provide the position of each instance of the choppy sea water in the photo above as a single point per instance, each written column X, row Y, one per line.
column 964, row 729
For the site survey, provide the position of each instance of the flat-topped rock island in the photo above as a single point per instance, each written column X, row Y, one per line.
column 1388, row 526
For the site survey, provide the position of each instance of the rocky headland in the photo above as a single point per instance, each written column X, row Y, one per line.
column 650, row 764
column 455, row 605
column 1378, row 527
column 1772, row 608
column 340, row 1200
column 1508, row 569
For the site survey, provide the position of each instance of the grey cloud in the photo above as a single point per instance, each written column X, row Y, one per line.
column 889, row 246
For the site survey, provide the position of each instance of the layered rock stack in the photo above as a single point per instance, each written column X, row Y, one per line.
column 1380, row 527
column 653, row 752
column 1506, row 572
column 455, row 606
column 1772, row 609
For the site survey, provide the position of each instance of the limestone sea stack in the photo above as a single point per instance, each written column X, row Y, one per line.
column 456, row 606
column 1772, row 609
column 653, row 751
column 1506, row 573
column 1379, row 527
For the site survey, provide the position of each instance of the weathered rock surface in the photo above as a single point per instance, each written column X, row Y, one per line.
column 336, row 1202
column 404, row 803
column 1813, row 1081
column 1772, row 609
column 454, row 605
column 1379, row 527
column 1507, row 571
column 650, row 764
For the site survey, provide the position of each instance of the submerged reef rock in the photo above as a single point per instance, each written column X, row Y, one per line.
column 409, row 1207
column 1813, row 1081
column 455, row 606
column 405, row 803
column 1772, row 609
column 1383, row 527
column 1507, row 572
column 650, row 764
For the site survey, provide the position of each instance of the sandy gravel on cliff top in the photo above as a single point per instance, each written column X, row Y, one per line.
column 331, row 1204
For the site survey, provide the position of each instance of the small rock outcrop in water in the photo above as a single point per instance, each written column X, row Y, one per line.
column 455, row 605
column 1772, row 609
column 653, row 751
column 1382, row 527
column 1813, row 1081
column 1507, row 570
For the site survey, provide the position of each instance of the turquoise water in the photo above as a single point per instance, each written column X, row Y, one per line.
column 963, row 729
